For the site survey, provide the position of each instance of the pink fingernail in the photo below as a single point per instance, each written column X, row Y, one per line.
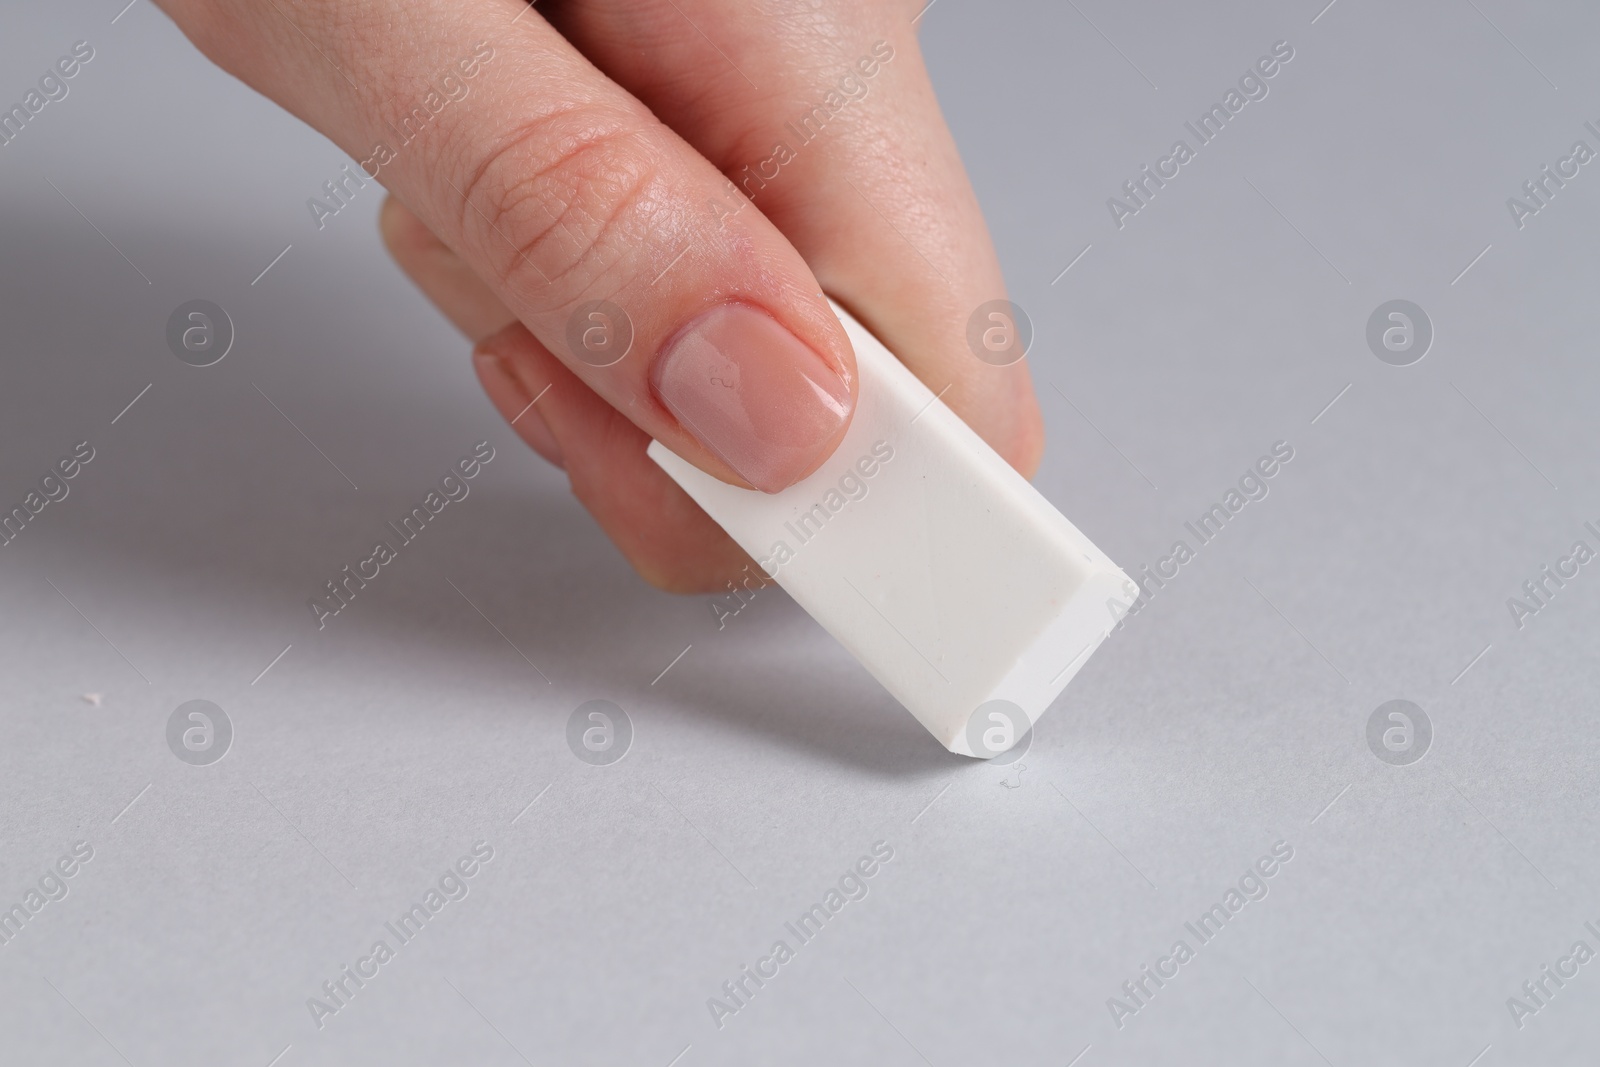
column 753, row 393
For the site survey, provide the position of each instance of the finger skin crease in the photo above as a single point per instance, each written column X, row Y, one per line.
column 562, row 211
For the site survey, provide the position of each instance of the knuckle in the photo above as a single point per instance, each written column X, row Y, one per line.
column 560, row 200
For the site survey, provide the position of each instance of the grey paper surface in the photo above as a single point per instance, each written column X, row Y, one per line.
column 1227, row 314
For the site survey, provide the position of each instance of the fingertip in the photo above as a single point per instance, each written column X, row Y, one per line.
column 754, row 394
column 511, row 398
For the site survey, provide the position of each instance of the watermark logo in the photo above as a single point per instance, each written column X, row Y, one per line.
column 1252, row 486
column 1252, row 887
column 453, row 488
column 807, row 126
column 1542, row 988
column 599, row 732
column 51, row 887
column 1542, row 188
column 1399, row 333
column 53, row 488
column 999, row 332
column 1399, row 733
column 52, row 87
column 1140, row 190
column 599, row 333
column 199, row 732
column 999, row 732
column 852, row 886
column 853, row 485
column 452, row 886
column 1539, row 590
column 451, row 86
column 200, row 333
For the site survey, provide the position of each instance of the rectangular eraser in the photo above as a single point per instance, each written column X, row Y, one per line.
column 927, row 556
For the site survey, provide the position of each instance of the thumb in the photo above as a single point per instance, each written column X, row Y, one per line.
column 624, row 252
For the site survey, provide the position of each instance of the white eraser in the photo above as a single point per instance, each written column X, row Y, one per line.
column 952, row 580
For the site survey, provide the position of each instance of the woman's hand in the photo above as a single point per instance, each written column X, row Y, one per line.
column 690, row 174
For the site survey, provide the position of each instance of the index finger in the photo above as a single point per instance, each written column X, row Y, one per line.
column 840, row 141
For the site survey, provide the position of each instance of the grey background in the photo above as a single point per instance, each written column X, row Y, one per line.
column 1225, row 717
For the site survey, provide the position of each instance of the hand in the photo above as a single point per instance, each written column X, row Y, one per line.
column 709, row 167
